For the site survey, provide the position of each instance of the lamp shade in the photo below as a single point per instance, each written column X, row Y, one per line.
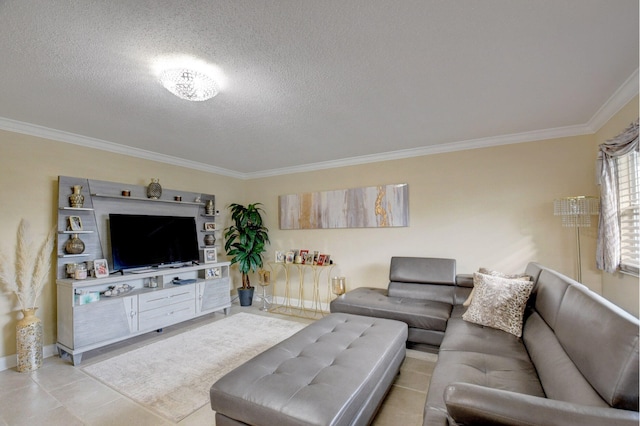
column 576, row 211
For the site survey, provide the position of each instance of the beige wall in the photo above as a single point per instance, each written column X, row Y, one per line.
column 29, row 170
column 622, row 289
column 489, row 207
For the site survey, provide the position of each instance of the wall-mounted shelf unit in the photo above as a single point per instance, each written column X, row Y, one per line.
column 85, row 326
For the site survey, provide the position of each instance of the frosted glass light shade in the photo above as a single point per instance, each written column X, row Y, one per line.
column 189, row 84
column 576, row 211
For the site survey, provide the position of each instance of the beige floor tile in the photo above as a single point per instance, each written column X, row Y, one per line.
column 25, row 402
column 401, row 407
column 83, row 397
column 418, row 366
column 11, row 380
column 123, row 411
column 205, row 416
column 56, row 373
column 414, row 381
column 57, row 417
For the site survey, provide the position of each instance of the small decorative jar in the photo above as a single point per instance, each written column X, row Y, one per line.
column 80, row 272
column 74, row 245
column 76, row 199
column 209, row 240
column 209, row 208
column 71, row 269
column 154, row 190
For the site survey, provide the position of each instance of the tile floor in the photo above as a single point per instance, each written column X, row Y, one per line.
column 60, row 394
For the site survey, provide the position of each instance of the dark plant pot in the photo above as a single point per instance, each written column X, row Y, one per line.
column 246, row 296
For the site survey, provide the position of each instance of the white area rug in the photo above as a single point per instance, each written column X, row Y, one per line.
column 172, row 377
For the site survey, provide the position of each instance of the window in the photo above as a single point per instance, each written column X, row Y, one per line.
column 629, row 203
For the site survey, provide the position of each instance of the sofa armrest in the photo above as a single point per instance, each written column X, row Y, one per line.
column 469, row 404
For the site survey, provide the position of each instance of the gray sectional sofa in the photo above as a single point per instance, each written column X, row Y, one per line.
column 576, row 362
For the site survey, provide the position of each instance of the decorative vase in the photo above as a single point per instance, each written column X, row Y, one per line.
column 29, row 341
column 209, row 208
column 154, row 190
column 74, row 245
column 76, row 199
column 209, row 240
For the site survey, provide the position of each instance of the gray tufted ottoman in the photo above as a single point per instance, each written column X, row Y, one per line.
column 335, row 371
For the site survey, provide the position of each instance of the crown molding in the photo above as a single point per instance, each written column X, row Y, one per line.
column 515, row 138
column 623, row 95
column 75, row 139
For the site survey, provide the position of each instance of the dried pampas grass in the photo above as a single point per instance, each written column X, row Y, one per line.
column 28, row 275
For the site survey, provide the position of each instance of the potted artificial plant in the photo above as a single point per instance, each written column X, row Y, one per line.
column 245, row 242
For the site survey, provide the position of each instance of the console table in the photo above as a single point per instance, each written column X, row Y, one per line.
column 294, row 304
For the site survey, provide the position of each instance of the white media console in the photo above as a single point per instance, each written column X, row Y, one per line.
column 87, row 318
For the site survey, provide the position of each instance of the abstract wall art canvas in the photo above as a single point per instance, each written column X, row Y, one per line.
column 367, row 207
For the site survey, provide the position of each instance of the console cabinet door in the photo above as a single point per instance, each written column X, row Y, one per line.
column 103, row 321
column 213, row 295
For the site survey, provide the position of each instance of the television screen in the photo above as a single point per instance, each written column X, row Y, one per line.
column 139, row 241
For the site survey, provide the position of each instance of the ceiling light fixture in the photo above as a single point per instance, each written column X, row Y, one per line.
column 189, row 84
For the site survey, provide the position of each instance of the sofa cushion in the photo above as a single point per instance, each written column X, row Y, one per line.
column 423, row 270
column 465, row 336
column 602, row 340
column 495, row 371
column 374, row 302
column 499, row 303
column 560, row 378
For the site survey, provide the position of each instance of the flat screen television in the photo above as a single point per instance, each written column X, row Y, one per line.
column 141, row 241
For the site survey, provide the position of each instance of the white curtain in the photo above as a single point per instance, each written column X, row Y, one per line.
column 608, row 248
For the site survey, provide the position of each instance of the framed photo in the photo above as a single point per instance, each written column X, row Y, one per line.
column 75, row 223
column 303, row 254
column 289, row 257
column 327, row 259
column 321, row 259
column 279, row 256
column 210, row 255
column 211, row 273
column 209, row 226
column 101, row 268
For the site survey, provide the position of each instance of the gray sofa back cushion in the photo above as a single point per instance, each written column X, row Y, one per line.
column 407, row 276
column 423, row 270
column 548, row 293
column 602, row 340
column 599, row 338
column 559, row 376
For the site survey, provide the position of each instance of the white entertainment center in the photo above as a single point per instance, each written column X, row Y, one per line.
column 87, row 318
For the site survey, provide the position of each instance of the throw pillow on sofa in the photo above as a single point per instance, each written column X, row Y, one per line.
column 499, row 303
column 491, row 272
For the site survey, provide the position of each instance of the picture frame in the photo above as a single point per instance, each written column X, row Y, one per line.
column 320, row 260
column 209, row 226
column 75, row 223
column 289, row 257
column 101, row 268
column 212, row 273
column 303, row 254
column 210, row 255
column 279, row 256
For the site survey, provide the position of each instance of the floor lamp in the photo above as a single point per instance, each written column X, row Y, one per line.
column 576, row 213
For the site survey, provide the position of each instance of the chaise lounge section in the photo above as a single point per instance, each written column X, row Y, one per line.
column 576, row 361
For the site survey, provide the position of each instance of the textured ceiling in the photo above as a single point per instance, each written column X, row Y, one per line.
column 311, row 82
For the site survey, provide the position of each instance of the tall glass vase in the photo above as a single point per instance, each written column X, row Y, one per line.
column 29, row 341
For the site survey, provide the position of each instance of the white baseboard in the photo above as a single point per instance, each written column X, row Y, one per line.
column 10, row 361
